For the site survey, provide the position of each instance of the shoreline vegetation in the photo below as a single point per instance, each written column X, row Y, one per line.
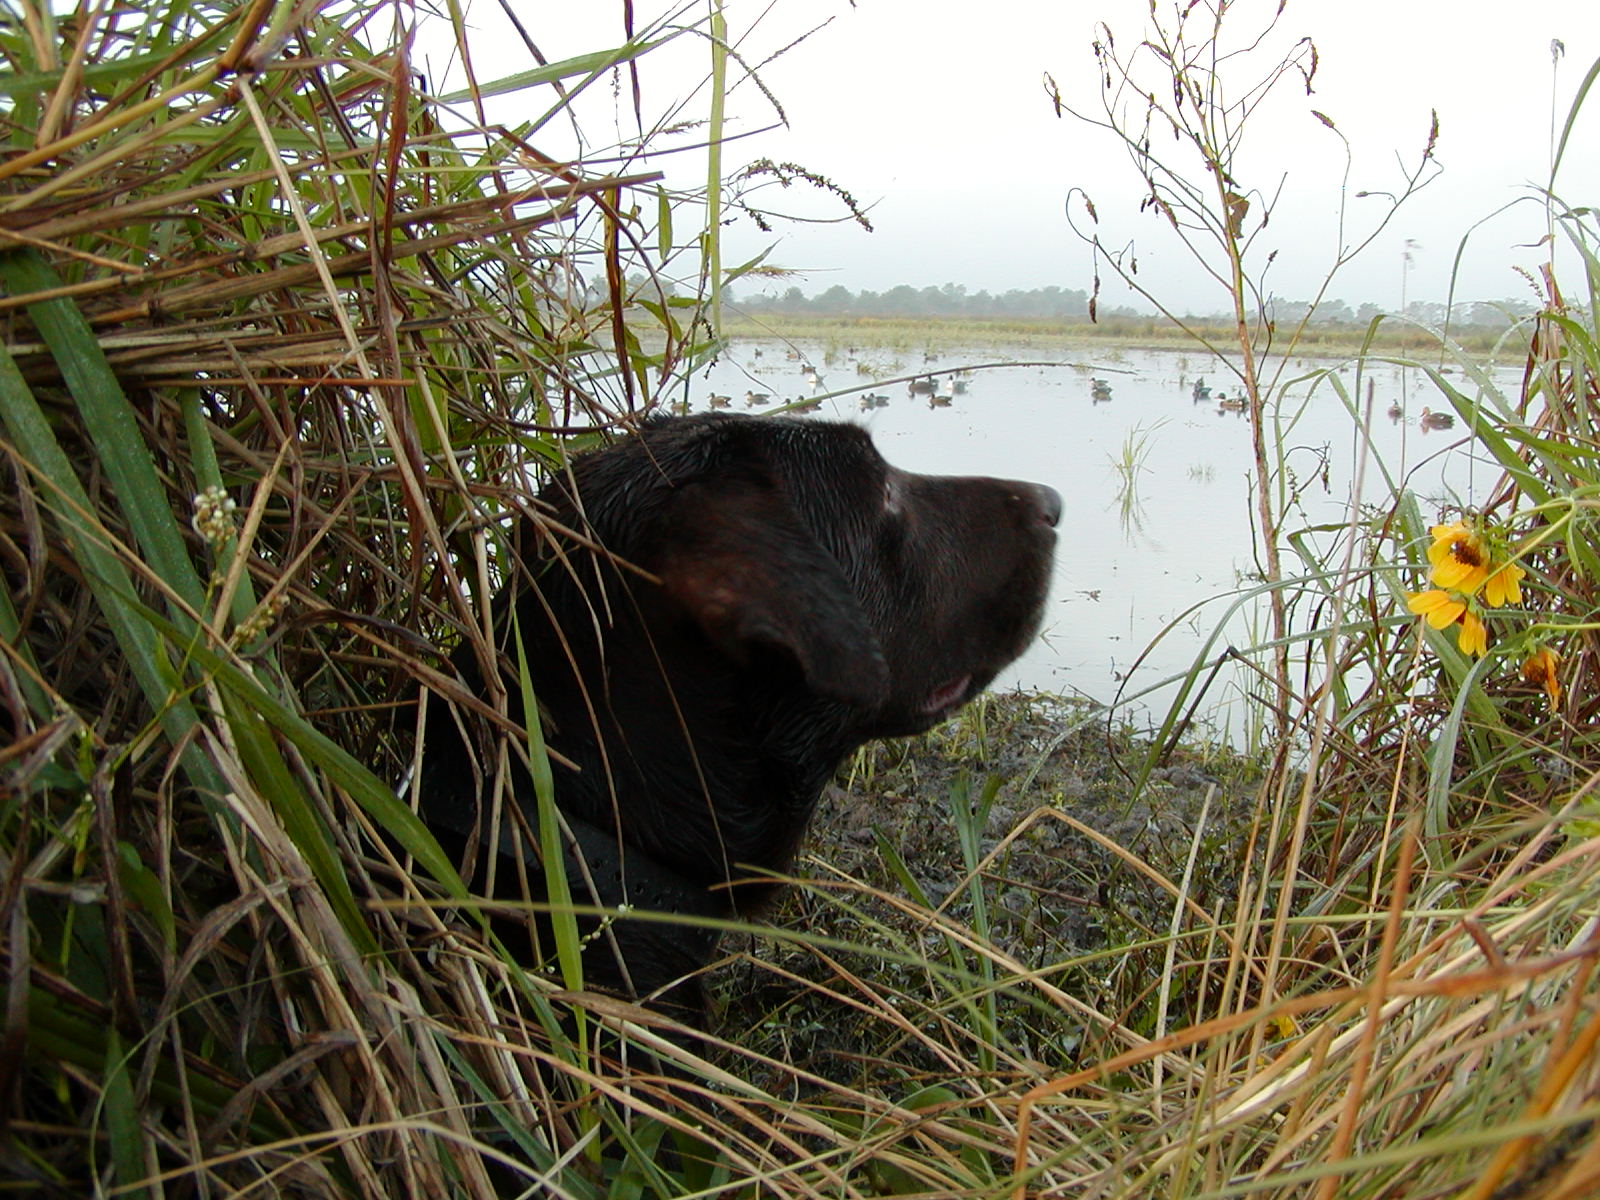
column 1394, row 337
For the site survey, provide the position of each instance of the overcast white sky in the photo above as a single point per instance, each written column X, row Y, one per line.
column 934, row 114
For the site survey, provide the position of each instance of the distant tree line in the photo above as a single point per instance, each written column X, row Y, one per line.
column 951, row 300
column 954, row 300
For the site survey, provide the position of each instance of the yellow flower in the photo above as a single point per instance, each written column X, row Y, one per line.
column 1440, row 608
column 1474, row 638
column 1504, row 585
column 1540, row 667
column 1459, row 558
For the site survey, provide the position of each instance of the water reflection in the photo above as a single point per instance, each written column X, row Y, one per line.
column 1158, row 532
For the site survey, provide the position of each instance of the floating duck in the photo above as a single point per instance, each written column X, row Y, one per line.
column 751, row 399
column 803, row 405
column 873, row 400
column 1231, row 403
column 719, row 401
column 1099, row 389
column 939, row 400
column 1433, row 420
column 1200, row 391
column 1395, row 411
column 921, row 387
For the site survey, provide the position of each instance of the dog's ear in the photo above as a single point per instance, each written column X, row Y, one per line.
column 740, row 562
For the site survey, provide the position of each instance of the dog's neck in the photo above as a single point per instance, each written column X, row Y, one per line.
column 650, row 756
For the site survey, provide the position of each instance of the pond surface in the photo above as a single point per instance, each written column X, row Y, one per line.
column 1131, row 562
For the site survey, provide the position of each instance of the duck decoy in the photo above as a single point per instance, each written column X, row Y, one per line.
column 1436, row 420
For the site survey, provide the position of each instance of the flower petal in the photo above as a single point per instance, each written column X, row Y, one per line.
column 1474, row 638
column 1457, row 575
column 1440, row 608
column 1504, row 586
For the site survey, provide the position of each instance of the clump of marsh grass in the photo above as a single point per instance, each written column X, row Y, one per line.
column 1127, row 464
column 288, row 341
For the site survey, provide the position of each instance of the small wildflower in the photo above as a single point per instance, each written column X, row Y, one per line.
column 213, row 516
column 1459, row 557
column 1504, row 585
column 1540, row 667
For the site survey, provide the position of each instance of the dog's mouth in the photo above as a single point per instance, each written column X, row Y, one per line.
column 946, row 696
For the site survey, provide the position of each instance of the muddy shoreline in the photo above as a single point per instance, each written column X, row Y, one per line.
column 1016, row 821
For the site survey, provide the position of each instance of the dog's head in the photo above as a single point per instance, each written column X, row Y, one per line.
column 713, row 614
column 793, row 548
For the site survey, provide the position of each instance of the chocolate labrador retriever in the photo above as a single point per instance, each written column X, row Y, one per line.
column 718, row 610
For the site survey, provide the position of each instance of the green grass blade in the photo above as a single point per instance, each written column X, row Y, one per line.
column 105, row 574
column 564, row 927
column 591, row 66
column 305, row 827
column 124, row 1136
column 110, row 421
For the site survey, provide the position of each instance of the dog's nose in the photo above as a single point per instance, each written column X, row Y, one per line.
column 1049, row 504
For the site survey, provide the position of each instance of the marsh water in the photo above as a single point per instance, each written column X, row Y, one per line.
column 1157, row 538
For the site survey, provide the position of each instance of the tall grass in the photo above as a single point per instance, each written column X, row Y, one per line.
column 287, row 339
column 288, row 342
